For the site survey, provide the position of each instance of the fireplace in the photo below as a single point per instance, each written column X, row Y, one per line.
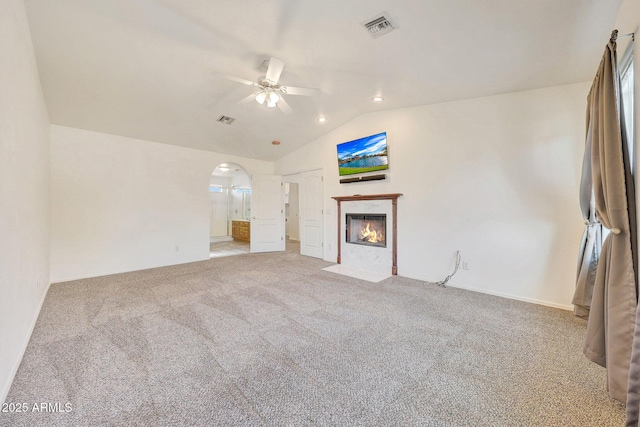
column 366, row 229
column 380, row 213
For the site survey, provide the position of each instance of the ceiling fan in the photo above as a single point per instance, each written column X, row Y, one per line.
column 270, row 92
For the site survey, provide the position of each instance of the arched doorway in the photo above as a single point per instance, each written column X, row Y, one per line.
column 229, row 206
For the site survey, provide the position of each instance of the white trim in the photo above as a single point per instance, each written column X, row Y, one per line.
column 92, row 276
column 568, row 307
column 513, row 297
column 627, row 58
column 289, row 175
column 6, row 387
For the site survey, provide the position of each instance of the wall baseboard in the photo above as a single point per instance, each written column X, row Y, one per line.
column 102, row 274
column 515, row 297
column 568, row 307
column 6, row 387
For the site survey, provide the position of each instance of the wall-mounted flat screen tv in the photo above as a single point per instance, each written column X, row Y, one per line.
column 362, row 155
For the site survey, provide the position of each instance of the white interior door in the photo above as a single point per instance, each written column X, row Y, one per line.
column 267, row 218
column 311, row 215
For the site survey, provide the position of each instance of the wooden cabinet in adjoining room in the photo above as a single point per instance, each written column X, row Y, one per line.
column 241, row 230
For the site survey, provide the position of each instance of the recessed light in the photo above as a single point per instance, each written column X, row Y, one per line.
column 275, row 142
column 322, row 119
column 378, row 99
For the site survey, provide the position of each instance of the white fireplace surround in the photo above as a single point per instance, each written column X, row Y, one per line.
column 375, row 259
column 363, row 257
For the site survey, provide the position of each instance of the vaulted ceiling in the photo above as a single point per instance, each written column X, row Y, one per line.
column 154, row 69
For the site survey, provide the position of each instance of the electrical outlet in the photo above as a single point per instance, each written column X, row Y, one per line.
column 465, row 265
column 177, row 248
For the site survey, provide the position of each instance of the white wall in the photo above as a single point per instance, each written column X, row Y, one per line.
column 24, row 190
column 121, row 204
column 495, row 177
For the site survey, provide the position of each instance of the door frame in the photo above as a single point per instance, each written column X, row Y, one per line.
column 296, row 178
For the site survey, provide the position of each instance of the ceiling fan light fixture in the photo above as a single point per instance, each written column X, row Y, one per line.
column 261, row 97
column 274, row 97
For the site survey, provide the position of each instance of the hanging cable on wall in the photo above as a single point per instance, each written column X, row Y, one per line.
column 443, row 283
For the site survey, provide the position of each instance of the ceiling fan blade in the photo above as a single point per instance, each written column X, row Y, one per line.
column 275, row 69
column 246, row 100
column 284, row 106
column 304, row 91
column 239, row 80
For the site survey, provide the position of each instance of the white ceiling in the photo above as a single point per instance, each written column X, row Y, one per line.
column 151, row 69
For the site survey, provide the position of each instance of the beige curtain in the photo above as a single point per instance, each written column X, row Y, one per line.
column 633, row 392
column 611, row 321
column 591, row 244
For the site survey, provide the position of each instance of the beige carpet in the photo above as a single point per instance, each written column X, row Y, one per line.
column 272, row 339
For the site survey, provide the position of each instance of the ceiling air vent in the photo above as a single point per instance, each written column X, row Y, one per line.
column 226, row 120
column 379, row 25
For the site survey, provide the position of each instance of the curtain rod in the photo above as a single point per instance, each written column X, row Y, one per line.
column 615, row 36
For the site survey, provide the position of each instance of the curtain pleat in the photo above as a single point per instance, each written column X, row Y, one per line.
column 610, row 327
column 591, row 244
column 633, row 391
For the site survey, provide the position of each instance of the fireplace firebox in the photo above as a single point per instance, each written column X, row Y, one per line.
column 366, row 229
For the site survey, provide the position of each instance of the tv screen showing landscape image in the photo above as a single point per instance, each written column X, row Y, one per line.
column 366, row 154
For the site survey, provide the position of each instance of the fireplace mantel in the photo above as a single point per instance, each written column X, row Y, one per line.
column 393, row 197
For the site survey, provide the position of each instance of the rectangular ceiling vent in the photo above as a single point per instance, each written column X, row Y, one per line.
column 379, row 25
column 226, row 120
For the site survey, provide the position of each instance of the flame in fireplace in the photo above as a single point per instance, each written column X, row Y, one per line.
column 370, row 235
